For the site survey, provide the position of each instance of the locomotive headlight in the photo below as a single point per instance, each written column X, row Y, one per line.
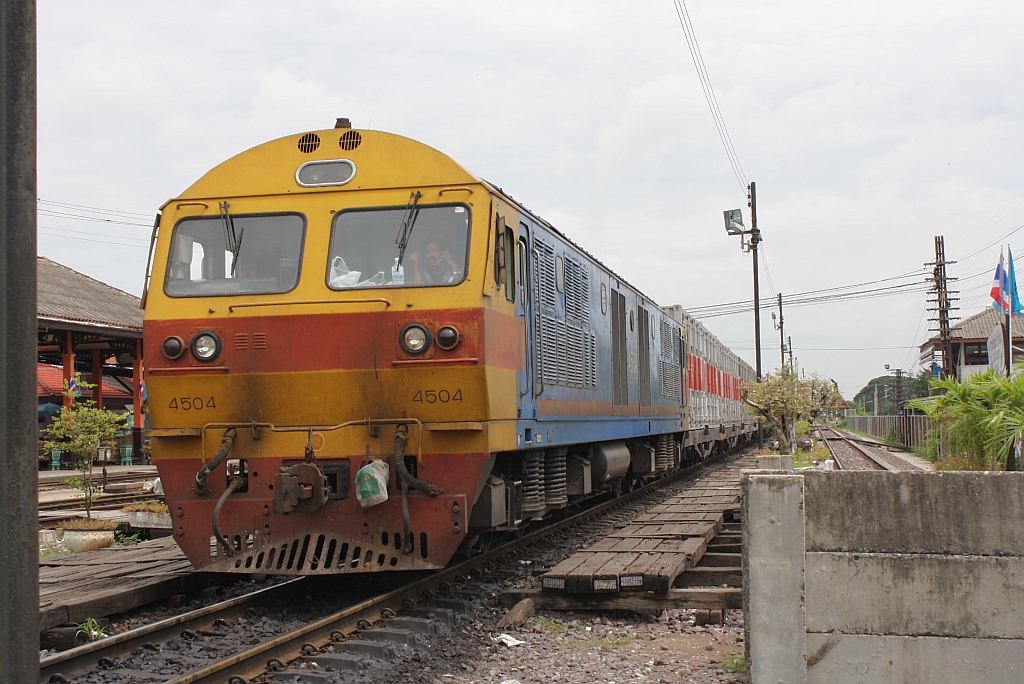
column 447, row 337
column 206, row 346
column 414, row 339
column 172, row 347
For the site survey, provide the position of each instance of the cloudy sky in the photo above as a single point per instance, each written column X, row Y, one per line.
column 869, row 128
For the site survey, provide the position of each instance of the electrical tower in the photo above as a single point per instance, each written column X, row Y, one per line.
column 940, row 300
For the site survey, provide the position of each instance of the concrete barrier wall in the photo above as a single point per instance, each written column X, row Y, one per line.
column 884, row 577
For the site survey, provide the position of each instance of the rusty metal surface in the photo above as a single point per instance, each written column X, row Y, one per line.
column 339, row 536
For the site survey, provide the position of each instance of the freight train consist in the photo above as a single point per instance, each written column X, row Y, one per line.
column 339, row 299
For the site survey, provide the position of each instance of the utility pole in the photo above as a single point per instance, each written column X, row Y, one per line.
column 875, row 412
column 781, row 327
column 734, row 226
column 941, row 299
column 755, row 239
column 19, row 542
column 789, row 346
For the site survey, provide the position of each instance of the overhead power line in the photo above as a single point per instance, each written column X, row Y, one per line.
column 709, row 93
column 794, row 300
column 94, row 210
column 84, row 232
column 995, row 218
column 918, row 273
column 105, row 242
column 96, row 219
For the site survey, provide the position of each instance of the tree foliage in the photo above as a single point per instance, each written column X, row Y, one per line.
column 783, row 398
column 915, row 387
column 78, row 429
column 979, row 417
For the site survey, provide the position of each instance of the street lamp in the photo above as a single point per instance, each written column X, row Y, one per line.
column 734, row 226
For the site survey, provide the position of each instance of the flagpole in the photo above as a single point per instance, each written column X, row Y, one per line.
column 1011, row 286
column 1009, row 333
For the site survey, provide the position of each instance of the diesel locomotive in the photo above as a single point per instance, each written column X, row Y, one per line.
column 339, row 297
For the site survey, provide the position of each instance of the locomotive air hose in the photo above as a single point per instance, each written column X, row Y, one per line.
column 235, row 483
column 226, row 441
column 401, row 439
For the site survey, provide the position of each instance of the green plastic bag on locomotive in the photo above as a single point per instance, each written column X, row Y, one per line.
column 372, row 483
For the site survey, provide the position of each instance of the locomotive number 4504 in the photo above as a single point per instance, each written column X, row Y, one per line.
column 437, row 396
column 191, row 403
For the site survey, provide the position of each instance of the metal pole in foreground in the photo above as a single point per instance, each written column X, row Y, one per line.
column 19, row 539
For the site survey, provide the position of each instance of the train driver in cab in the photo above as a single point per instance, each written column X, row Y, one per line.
column 436, row 266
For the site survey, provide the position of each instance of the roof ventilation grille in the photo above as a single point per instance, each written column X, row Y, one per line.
column 309, row 142
column 350, row 140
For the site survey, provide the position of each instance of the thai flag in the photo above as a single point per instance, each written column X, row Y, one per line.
column 1001, row 288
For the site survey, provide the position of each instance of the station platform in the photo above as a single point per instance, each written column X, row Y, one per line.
column 663, row 548
column 96, row 584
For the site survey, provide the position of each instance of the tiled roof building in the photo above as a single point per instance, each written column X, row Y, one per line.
column 970, row 342
column 89, row 327
column 69, row 298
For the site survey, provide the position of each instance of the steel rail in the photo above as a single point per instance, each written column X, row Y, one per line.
column 76, row 659
column 856, row 447
column 106, row 501
column 111, row 479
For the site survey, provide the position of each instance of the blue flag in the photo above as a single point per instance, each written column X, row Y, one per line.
column 1016, row 308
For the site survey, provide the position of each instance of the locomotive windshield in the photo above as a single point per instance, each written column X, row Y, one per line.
column 364, row 249
column 230, row 255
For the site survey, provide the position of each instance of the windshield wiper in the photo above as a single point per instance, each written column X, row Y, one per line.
column 232, row 242
column 412, row 210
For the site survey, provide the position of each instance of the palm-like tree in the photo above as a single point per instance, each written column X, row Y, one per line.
column 980, row 417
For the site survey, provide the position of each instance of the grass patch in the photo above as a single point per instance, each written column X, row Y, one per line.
column 605, row 643
column 858, row 432
column 734, row 663
column 53, row 553
column 547, row 625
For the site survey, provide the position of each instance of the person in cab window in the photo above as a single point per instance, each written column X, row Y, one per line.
column 249, row 269
column 438, row 265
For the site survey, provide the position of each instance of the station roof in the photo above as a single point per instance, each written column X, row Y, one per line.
column 70, row 300
column 50, row 381
column 979, row 327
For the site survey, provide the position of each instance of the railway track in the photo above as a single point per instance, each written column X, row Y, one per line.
column 97, row 475
column 310, row 637
column 104, row 502
column 849, row 455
